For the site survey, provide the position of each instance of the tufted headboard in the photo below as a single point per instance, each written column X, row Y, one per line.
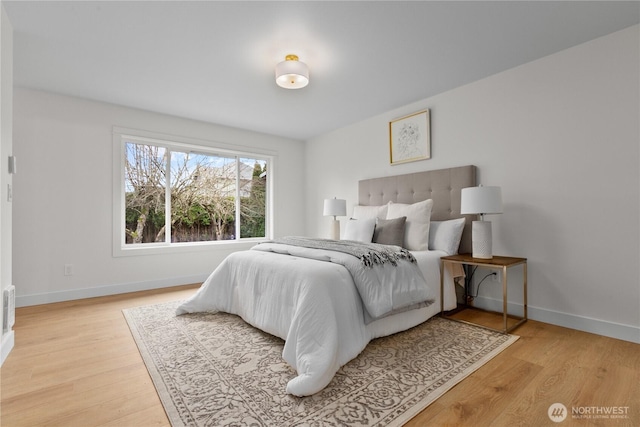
column 443, row 186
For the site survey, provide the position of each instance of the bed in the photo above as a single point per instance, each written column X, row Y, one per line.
column 310, row 300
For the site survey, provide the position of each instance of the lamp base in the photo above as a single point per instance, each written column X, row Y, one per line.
column 481, row 239
column 335, row 229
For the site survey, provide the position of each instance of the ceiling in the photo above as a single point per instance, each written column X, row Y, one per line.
column 214, row 61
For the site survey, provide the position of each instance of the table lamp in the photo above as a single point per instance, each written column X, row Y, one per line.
column 481, row 201
column 335, row 207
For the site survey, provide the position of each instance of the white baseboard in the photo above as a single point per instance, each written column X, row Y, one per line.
column 8, row 341
column 100, row 291
column 572, row 321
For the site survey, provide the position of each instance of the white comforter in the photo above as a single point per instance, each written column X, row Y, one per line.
column 313, row 305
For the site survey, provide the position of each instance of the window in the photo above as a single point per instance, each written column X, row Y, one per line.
column 174, row 194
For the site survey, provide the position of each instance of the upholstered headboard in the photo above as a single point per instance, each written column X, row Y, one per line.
column 443, row 186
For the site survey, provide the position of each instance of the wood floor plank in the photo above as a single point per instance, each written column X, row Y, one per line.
column 150, row 417
column 25, row 401
column 77, row 388
column 76, row 364
column 486, row 396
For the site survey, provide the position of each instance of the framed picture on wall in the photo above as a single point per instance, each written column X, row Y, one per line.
column 410, row 138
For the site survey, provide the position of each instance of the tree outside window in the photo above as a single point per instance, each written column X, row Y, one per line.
column 174, row 195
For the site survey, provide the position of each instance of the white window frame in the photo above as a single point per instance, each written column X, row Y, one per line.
column 123, row 135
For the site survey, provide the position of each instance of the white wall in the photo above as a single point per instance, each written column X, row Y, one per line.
column 6, row 179
column 561, row 136
column 63, row 198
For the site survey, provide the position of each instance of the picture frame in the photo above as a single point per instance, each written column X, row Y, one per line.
column 410, row 138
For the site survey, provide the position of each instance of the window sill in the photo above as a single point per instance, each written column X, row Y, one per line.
column 161, row 249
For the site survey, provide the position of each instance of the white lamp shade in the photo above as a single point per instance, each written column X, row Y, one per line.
column 335, row 207
column 481, row 200
column 292, row 74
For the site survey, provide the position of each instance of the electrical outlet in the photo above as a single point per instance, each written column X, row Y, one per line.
column 497, row 276
column 68, row 269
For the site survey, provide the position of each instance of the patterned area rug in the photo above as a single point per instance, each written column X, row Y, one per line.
column 216, row 370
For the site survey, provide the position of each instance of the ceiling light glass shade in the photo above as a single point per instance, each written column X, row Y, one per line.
column 481, row 200
column 291, row 73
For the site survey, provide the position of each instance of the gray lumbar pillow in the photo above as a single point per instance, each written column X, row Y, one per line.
column 389, row 231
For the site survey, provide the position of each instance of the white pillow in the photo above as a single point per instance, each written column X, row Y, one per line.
column 360, row 230
column 363, row 212
column 446, row 235
column 416, row 231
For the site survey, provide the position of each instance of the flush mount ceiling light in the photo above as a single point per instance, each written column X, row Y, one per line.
column 291, row 73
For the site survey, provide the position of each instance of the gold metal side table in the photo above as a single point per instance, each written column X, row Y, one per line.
column 497, row 263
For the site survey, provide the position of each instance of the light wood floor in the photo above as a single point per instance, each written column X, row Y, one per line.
column 76, row 364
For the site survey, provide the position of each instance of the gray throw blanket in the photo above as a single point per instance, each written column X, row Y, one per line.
column 369, row 254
